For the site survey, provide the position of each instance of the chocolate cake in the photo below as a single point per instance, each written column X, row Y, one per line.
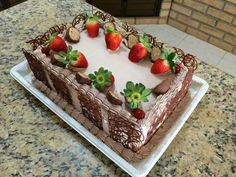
column 121, row 91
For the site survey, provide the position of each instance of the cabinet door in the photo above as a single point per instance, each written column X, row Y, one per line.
column 128, row 7
column 113, row 7
column 141, row 7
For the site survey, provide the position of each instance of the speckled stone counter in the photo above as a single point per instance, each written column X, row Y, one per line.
column 35, row 142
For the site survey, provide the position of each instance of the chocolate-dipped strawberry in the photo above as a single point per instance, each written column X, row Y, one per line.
column 156, row 53
column 132, row 40
column 163, row 87
column 109, row 25
column 83, row 78
column 135, row 94
column 102, row 79
column 57, row 60
column 113, row 98
column 72, row 35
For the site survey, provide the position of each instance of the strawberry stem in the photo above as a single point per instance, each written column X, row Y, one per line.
column 146, row 42
column 50, row 39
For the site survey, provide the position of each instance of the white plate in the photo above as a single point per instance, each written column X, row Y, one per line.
column 171, row 127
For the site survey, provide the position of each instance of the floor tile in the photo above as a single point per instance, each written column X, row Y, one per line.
column 228, row 64
column 165, row 33
column 203, row 50
column 140, row 27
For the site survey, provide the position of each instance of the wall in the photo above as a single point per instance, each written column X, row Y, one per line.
column 211, row 20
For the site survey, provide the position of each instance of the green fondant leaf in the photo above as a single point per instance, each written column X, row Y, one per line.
column 146, row 92
column 101, row 79
column 130, row 85
column 62, row 54
column 133, row 105
column 146, row 42
column 171, row 56
column 140, row 87
column 144, row 99
column 101, row 69
column 136, row 93
column 92, row 76
column 172, row 65
column 69, row 49
column 164, row 54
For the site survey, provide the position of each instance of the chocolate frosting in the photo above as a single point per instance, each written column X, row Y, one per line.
column 36, row 67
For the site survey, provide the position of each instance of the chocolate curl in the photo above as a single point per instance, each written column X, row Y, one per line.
column 129, row 29
column 104, row 16
column 179, row 52
column 78, row 19
column 190, row 61
column 40, row 39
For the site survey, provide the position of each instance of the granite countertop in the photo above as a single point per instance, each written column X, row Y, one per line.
column 35, row 142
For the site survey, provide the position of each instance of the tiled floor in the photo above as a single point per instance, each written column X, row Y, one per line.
column 203, row 50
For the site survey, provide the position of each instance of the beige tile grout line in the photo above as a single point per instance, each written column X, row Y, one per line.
column 221, row 59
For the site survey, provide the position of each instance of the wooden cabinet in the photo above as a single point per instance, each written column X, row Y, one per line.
column 126, row 8
column 8, row 3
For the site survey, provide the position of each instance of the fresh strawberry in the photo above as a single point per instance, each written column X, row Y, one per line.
column 140, row 50
column 56, row 43
column 45, row 50
column 113, row 39
column 177, row 68
column 137, row 52
column 92, row 26
column 160, row 66
column 73, row 58
column 81, row 61
column 138, row 113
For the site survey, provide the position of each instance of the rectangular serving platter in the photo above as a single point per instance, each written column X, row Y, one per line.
column 164, row 135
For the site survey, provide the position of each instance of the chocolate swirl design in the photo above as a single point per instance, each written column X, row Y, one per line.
column 187, row 59
column 190, row 61
column 125, row 132
column 104, row 16
column 40, row 39
column 129, row 29
column 78, row 19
